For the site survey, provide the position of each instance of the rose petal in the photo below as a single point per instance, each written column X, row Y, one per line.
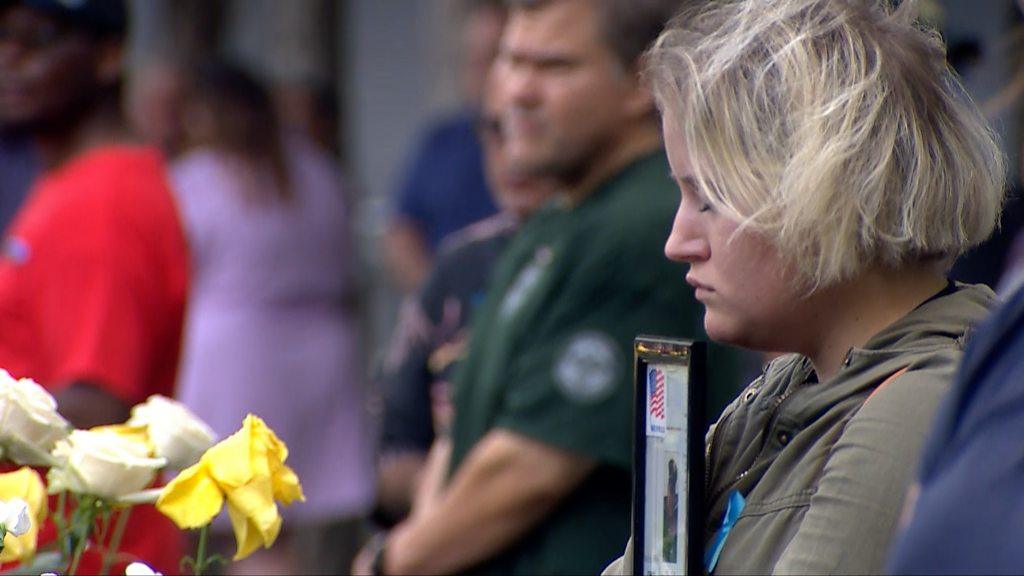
column 16, row 517
column 249, row 536
column 192, row 499
column 140, row 569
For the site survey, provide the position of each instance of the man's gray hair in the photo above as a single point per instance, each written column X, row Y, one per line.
column 629, row 27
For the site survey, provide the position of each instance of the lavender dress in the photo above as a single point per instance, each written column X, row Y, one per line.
column 268, row 330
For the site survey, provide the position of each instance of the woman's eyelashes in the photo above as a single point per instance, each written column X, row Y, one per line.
column 690, row 191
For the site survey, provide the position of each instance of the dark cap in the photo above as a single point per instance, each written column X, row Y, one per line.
column 106, row 17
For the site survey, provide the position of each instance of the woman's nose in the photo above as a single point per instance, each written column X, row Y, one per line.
column 686, row 242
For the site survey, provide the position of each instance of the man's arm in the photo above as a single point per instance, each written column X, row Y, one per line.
column 506, row 486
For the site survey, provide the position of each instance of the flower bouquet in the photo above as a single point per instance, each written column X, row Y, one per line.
column 99, row 475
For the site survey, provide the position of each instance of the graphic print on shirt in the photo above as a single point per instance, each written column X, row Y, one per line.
column 17, row 250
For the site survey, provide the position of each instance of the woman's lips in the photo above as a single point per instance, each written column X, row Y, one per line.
column 701, row 290
column 697, row 284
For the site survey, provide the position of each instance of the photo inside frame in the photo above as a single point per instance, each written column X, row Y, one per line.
column 668, row 458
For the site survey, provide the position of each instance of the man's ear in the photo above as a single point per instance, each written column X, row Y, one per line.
column 639, row 100
column 110, row 62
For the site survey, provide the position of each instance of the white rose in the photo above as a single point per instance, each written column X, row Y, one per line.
column 175, row 432
column 15, row 516
column 29, row 422
column 102, row 464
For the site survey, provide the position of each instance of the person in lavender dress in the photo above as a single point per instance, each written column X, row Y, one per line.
column 269, row 328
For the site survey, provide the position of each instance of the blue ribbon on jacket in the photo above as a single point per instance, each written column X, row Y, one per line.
column 732, row 513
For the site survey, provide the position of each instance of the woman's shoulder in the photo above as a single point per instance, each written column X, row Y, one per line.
column 908, row 399
column 198, row 158
column 312, row 162
column 199, row 171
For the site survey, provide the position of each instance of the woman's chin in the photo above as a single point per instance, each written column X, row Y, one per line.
column 719, row 330
column 724, row 331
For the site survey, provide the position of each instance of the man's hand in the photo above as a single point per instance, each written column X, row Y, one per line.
column 398, row 478
column 435, row 471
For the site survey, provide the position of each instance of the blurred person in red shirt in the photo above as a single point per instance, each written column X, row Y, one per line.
column 94, row 268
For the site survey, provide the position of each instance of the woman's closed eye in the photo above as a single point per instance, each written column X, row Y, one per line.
column 688, row 187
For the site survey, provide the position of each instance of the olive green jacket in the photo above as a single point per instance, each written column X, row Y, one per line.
column 824, row 467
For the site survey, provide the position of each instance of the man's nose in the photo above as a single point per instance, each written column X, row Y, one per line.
column 522, row 84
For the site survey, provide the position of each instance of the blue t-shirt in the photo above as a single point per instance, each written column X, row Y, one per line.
column 444, row 188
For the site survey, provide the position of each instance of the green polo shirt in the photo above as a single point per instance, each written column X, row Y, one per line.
column 551, row 354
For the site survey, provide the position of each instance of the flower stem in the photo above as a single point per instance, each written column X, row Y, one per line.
column 200, row 564
column 82, row 526
column 77, row 557
column 104, row 530
column 60, row 522
column 62, row 502
column 115, row 540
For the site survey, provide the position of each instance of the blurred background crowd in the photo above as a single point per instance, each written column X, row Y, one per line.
column 322, row 154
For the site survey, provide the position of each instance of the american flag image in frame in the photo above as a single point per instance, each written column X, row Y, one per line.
column 668, row 455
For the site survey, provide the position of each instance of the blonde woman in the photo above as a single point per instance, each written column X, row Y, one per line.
column 830, row 168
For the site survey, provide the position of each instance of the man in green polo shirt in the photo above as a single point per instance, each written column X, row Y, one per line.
column 538, row 476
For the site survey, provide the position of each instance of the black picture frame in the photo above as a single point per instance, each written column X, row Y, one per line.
column 675, row 356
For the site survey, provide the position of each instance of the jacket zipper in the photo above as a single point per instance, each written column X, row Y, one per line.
column 709, row 460
column 764, row 442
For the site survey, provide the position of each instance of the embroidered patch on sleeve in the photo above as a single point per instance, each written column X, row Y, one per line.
column 587, row 367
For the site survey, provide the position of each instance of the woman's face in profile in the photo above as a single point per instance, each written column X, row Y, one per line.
column 749, row 293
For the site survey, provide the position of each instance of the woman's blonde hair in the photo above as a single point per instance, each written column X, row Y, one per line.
column 833, row 127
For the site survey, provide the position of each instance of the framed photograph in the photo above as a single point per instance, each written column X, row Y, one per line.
column 668, row 455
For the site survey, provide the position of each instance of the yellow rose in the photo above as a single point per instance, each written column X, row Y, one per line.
column 246, row 469
column 29, row 422
column 174, row 431
column 27, row 485
column 102, row 462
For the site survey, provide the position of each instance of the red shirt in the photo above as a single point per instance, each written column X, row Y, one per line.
column 93, row 282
